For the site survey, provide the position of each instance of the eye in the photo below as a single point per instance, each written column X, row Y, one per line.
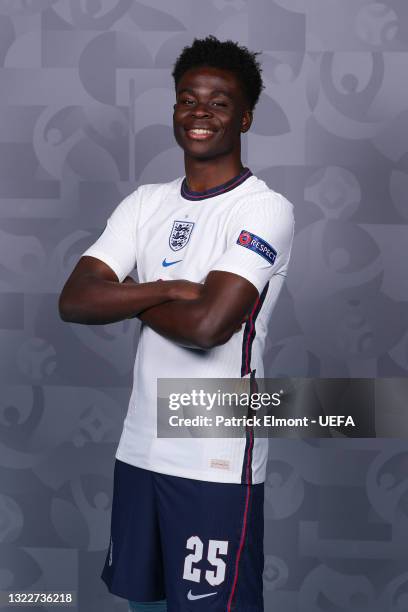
column 219, row 103
column 187, row 101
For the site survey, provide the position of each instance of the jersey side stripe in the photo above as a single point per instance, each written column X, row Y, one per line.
column 249, row 335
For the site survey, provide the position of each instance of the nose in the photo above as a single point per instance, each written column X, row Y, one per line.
column 201, row 110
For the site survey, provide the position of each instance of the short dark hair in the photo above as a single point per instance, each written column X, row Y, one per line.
column 227, row 55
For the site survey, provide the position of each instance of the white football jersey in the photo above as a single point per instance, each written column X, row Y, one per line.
column 170, row 232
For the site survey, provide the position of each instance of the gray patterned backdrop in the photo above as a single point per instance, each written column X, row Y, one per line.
column 86, row 113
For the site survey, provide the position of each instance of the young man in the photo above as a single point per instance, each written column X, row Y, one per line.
column 187, row 514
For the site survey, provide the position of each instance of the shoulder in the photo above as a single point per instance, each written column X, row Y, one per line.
column 259, row 198
column 157, row 190
column 146, row 193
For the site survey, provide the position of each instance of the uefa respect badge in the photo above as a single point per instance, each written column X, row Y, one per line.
column 256, row 244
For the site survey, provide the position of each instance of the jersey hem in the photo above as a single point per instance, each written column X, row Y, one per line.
column 190, row 474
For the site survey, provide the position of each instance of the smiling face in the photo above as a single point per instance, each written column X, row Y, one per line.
column 210, row 113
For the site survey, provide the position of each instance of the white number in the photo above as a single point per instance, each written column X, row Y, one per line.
column 193, row 543
column 215, row 548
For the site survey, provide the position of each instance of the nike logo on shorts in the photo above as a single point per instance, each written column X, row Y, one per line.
column 165, row 263
column 192, row 597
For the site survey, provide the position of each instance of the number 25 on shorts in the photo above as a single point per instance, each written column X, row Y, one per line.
column 214, row 577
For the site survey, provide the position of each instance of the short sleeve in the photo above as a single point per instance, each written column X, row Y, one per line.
column 260, row 239
column 116, row 246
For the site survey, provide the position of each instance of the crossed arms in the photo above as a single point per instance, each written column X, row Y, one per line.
column 191, row 314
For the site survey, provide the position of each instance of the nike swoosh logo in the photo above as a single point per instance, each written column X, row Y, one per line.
column 165, row 263
column 192, row 597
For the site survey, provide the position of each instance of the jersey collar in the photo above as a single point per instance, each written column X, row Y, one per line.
column 188, row 194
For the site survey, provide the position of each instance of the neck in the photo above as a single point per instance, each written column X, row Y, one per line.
column 206, row 174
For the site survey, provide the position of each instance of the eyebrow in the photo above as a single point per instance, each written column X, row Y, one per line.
column 215, row 92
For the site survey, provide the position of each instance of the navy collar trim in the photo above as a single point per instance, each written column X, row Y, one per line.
column 214, row 191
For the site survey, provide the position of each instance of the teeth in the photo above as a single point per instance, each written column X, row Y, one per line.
column 200, row 131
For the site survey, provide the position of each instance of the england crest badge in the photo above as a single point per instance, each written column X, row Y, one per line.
column 180, row 234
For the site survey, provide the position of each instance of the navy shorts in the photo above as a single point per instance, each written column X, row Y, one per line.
column 197, row 544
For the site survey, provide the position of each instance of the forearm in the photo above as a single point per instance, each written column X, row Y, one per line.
column 188, row 323
column 97, row 301
column 225, row 300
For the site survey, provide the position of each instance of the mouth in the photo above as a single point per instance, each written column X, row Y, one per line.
column 199, row 133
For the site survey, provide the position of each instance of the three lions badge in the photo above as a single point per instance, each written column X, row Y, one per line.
column 180, row 234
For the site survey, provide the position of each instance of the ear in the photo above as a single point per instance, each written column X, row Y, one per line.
column 246, row 120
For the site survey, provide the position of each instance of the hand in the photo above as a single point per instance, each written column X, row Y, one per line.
column 178, row 289
column 243, row 322
column 184, row 290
